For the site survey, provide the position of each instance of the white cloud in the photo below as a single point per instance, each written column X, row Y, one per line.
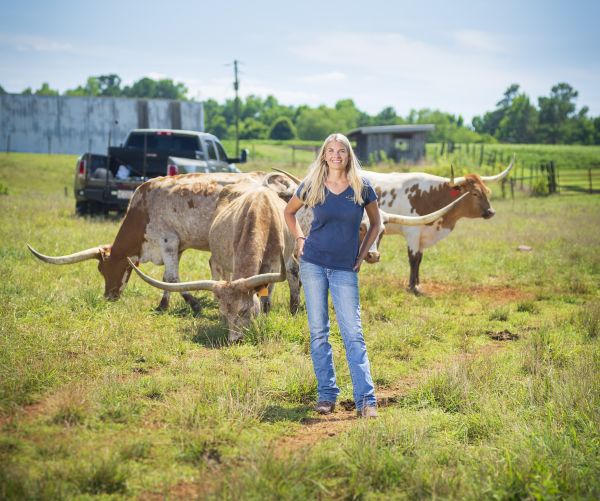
column 333, row 76
column 479, row 41
column 28, row 43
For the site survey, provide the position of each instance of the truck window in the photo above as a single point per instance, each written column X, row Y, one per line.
column 222, row 154
column 210, row 146
column 162, row 142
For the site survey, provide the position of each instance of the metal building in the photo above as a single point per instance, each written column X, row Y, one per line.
column 401, row 143
column 73, row 125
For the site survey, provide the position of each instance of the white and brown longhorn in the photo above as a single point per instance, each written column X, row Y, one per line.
column 166, row 216
column 414, row 193
column 250, row 248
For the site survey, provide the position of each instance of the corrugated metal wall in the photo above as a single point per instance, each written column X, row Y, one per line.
column 66, row 124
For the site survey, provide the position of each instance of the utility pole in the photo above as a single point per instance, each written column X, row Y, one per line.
column 236, row 86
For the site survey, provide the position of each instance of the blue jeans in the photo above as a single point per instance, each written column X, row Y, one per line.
column 317, row 281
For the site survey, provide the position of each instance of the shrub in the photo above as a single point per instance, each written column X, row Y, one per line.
column 283, row 128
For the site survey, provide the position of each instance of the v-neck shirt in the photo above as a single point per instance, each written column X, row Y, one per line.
column 333, row 240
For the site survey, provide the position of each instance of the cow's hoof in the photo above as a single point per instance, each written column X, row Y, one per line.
column 416, row 290
column 294, row 307
column 162, row 307
column 195, row 306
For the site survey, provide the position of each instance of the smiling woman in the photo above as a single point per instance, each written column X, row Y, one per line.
column 330, row 258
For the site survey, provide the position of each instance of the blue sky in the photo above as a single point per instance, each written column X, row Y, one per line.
column 454, row 56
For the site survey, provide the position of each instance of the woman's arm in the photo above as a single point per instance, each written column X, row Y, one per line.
column 293, row 206
column 372, row 234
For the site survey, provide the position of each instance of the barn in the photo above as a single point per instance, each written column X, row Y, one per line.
column 401, row 143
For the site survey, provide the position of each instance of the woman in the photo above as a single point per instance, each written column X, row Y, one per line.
column 330, row 259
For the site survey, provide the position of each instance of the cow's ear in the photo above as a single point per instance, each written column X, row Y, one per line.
column 455, row 191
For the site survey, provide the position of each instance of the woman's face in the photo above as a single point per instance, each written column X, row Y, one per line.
column 336, row 155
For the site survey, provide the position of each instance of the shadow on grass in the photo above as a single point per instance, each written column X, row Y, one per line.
column 207, row 309
column 213, row 336
column 276, row 413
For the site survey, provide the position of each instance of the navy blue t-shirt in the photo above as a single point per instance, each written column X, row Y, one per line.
column 333, row 238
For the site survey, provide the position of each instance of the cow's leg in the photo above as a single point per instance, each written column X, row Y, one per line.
column 188, row 297
column 414, row 252
column 418, row 266
column 169, row 246
column 414, row 259
column 293, row 278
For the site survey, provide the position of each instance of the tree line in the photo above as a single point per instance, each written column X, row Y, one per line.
column 516, row 119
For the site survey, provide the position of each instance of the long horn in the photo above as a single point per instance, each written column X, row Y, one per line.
column 94, row 252
column 291, row 176
column 200, row 285
column 419, row 220
column 498, row 177
column 261, row 280
column 452, row 175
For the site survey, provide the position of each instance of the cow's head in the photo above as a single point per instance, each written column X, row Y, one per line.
column 238, row 304
column 238, row 301
column 476, row 205
column 116, row 272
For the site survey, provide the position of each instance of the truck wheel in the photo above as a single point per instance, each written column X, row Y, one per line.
column 81, row 208
column 94, row 208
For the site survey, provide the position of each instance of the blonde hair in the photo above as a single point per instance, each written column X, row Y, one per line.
column 313, row 191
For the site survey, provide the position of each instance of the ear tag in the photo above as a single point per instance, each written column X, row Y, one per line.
column 454, row 192
column 263, row 291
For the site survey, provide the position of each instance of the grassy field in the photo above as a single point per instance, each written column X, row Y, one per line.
column 489, row 384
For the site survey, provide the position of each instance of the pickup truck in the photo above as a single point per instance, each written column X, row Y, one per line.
column 107, row 182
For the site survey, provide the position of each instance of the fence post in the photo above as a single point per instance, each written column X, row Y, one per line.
column 530, row 178
column 558, row 179
column 442, row 150
column 293, row 155
column 481, row 156
column 512, row 188
column 522, row 174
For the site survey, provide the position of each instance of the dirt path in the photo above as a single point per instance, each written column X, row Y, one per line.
column 317, row 429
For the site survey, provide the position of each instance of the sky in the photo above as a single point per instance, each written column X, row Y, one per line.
column 458, row 56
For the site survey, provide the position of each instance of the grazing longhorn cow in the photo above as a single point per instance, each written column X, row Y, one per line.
column 419, row 193
column 166, row 216
column 250, row 245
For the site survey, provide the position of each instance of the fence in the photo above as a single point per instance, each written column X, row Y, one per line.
column 536, row 177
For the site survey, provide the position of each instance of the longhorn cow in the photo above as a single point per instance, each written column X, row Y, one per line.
column 414, row 193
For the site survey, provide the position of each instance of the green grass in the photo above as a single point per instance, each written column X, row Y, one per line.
column 113, row 400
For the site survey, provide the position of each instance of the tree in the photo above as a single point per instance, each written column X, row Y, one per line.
column 45, row 90
column 251, row 128
column 519, row 123
column 387, row 116
column 283, row 128
column 555, row 111
column 152, row 89
column 2, row 91
column 491, row 120
column 316, row 123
